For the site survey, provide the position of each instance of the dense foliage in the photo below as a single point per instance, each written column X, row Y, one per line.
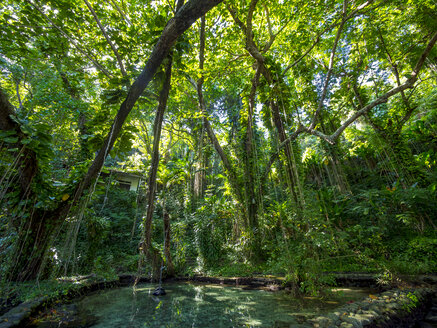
column 294, row 138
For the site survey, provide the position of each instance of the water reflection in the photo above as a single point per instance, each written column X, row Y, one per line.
column 190, row 305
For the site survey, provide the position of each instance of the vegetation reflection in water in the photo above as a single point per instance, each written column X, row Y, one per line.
column 193, row 305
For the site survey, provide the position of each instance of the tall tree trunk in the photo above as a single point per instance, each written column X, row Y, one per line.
column 254, row 51
column 245, row 193
column 163, row 97
column 232, row 176
column 167, row 253
column 250, row 161
column 199, row 173
column 291, row 179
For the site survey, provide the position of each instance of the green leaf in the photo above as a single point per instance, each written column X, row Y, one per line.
column 10, row 139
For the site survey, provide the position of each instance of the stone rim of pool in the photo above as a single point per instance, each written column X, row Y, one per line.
column 21, row 315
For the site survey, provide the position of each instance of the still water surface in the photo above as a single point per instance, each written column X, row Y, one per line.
column 194, row 305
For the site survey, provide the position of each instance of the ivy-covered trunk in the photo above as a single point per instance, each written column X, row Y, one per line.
column 290, row 172
column 251, row 182
column 33, row 242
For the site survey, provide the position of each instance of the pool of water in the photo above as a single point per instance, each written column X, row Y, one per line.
column 193, row 305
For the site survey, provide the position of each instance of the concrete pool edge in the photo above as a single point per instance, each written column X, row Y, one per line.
column 392, row 308
column 19, row 315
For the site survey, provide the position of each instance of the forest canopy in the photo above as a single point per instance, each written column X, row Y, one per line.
column 288, row 137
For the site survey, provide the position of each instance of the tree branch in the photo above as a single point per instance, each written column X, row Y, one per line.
column 317, row 39
column 395, row 70
column 382, row 99
column 202, row 106
column 114, row 49
column 330, row 67
column 121, row 12
column 409, row 83
column 83, row 52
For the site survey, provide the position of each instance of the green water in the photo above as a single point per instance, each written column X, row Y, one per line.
column 194, row 305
